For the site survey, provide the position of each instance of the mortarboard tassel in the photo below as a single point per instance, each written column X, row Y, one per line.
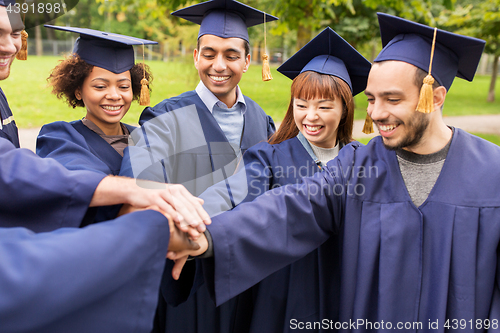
column 23, row 52
column 368, row 127
column 144, row 98
column 266, row 70
column 426, row 100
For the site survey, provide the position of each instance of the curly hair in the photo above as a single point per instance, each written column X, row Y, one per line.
column 68, row 76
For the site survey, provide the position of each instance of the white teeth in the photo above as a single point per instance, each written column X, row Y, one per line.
column 312, row 128
column 111, row 108
column 219, row 78
column 4, row 61
column 387, row 128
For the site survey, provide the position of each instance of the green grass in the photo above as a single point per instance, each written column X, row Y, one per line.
column 34, row 105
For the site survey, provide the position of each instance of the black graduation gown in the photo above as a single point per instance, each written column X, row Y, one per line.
column 77, row 147
column 181, row 142
column 436, row 263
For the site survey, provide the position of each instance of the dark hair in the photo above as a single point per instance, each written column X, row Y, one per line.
column 420, row 75
column 309, row 85
column 68, row 76
column 246, row 45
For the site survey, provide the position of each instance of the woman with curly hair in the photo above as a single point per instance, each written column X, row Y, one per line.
column 101, row 76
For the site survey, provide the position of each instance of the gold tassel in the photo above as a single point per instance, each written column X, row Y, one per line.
column 144, row 99
column 266, row 71
column 23, row 52
column 426, row 99
column 368, row 127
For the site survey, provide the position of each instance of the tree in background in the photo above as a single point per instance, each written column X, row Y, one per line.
column 480, row 19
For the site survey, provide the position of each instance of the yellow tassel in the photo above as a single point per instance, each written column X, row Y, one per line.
column 144, row 98
column 368, row 127
column 23, row 52
column 266, row 71
column 426, row 100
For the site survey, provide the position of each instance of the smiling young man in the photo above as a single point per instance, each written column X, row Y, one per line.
column 420, row 235
column 197, row 138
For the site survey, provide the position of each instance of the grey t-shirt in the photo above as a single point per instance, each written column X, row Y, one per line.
column 420, row 172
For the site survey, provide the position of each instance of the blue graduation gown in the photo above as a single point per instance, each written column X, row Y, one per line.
column 102, row 278
column 400, row 263
column 9, row 128
column 77, row 147
column 306, row 289
column 181, row 142
column 40, row 194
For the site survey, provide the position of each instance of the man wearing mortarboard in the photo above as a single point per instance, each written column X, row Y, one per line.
column 197, row 138
column 418, row 208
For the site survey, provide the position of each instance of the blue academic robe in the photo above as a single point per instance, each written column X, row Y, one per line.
column 306, row 289
column 102, row 278
column 40, row 194
column 399, row 263
column 9, row 128
column 77, row 147
column 181, row 142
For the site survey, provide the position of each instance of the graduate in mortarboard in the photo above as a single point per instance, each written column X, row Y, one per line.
column 197, row 138
column 10, row 28
column 326, row 73
column 100, row 75
column 417, row 210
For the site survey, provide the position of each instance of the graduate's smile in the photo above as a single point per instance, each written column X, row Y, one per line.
column 112, row 110
column 5, row 60
column 386, row 130
column 313, row 129
column 219, row 79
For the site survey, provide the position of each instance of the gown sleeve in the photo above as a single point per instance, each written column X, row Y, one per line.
column 33, row 187
column 102, row 278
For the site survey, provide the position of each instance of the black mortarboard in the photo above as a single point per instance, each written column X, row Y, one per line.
column 107, row 50
column 328, row 53
column 224, row 18
column 454, row 55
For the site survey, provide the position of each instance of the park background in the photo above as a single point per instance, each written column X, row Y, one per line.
column 172, row 64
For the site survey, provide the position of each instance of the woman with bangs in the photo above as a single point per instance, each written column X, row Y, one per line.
column 326, row 73
column 101, row 76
